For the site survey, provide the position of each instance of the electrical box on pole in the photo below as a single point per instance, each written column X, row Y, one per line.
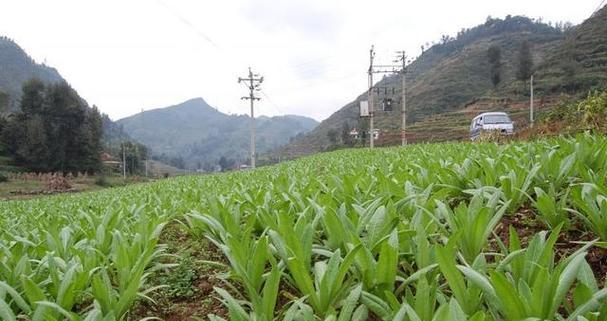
column 364, row 108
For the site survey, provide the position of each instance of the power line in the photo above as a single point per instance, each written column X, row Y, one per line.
column 189, row 24
column 272, row 102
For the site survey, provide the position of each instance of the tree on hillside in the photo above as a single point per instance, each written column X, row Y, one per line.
column 332, row 136
column 569, row 67
column 346, row 139
column 494, row 54
column 90, row 140
column 133, row 156
column 4, row 102
column 54, row 130
column 524, row 62
column 226, row 163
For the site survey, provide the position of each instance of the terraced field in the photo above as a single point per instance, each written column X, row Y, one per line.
column 427, row 232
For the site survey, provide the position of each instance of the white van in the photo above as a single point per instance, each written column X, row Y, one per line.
column 495, row 121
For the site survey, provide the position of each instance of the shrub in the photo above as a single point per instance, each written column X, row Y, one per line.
column 102, row 181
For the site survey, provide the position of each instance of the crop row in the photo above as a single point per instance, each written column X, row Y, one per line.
column 391, row 234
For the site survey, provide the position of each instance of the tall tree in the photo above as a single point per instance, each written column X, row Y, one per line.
column 55, row 130
column 494, row 54
column 346, row 139
column 524, row 62
column 332, row 135
column 4, row 102
column 134, row 157
column 35, row 148
column 90, row 141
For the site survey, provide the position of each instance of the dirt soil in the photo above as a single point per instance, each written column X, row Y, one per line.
column 189, row 295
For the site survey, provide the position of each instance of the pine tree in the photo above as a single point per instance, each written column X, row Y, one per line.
column 525, row 62
column 494, row 54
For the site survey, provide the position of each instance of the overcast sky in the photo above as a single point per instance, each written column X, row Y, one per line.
column 129, row 55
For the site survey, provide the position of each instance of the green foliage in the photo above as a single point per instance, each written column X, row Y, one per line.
column 494, row 54
column 392, row 234
column 588, row 113
column 593, row 110
column 180, row 280
column 86, row 264
column 4, row 102
column 133, row 156
column 16, row 68
column 591, row 201
column 3, row 177
column 102, row 181
column 55, row 130
column 524, row 62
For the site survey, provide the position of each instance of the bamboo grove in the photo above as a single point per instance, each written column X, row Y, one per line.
column 387, row 234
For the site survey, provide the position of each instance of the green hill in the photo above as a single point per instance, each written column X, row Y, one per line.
column 16, row 67
column 579, row 63
column 451, row 79
column 201, row 135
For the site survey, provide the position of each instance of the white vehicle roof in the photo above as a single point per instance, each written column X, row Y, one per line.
column 492, row 113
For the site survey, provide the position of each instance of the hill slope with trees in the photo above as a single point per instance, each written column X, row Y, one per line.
column 483, row 68
column 196, row 135
column 17, row 67
column 37, row 107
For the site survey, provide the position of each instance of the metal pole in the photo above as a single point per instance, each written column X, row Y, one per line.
column 403, row 137
column 253, row 84
column 370, row 98
column 123, row 161
column 252, row 98
column 531, row 118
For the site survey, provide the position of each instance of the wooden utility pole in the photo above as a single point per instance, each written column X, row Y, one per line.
column 377, row 69
column 531, row 118
column 403, row 131
column 146, row 154
column 254, row 82
column 123, row 161
column 370, row 97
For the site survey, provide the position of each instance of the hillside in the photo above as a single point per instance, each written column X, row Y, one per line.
column 201, row 135
column 579, row 63
column 16, row 67
column 454, row 76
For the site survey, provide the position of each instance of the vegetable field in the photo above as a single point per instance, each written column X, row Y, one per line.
column 427, row 232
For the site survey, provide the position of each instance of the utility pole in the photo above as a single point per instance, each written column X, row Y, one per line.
column 403, row 134
column 531, row 119
column 146, row 154
column 379, row 69
column 123, row 161
column 370, row 97
column 254, row 81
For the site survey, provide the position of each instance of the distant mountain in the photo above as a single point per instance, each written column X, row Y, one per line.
column 452, row 79
column 16, row 67
column 201, row 135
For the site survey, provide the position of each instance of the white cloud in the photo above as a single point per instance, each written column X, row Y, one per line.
column 127, row 55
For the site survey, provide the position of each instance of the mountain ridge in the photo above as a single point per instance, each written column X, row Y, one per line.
column 202, row 135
